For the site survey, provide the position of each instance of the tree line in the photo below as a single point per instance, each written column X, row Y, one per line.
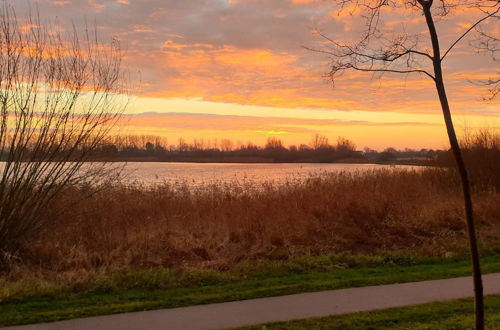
column 319, row 149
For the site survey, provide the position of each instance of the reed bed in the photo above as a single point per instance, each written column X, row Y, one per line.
column 121, row 227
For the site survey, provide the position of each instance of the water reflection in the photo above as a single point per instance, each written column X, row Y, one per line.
column 196, row 174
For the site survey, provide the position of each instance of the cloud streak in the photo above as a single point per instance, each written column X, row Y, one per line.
column 250, row 52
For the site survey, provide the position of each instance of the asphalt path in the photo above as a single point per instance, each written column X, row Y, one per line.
column 282, row 308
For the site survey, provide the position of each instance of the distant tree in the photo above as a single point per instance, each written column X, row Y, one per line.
column 226, row 145
column 150, row 147
column 250, row 146
column 382, row 50
column 304, row 147
column 182, row 145
column 319, row 142
column 368, row 150
column 387, row 156
column 274, row 143
column 345, row 145
column 109, row 150
column 431, row 154
column 198, row 144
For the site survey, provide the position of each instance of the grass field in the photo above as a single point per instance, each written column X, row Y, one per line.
column 31, row 302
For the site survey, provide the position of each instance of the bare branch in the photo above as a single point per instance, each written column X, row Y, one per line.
column 489, row 43
column 390, row 70
column 472, row 27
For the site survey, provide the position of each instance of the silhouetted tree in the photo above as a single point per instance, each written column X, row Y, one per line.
column 345, row 145
column 386, row 51
column 150, row 147
column 388, row 155
column 59, row 99
column 182, row 145
column 226, row 145
column 274, row 143
column 319, row 142
column 304, row 147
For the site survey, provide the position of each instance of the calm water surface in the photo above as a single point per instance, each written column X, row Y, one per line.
column 254, row 174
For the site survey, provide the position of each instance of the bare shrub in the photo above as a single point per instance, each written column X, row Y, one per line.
column 59, row 97
column 481, row 150
column 482, row 155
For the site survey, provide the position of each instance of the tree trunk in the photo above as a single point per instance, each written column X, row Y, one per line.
column 438, row 75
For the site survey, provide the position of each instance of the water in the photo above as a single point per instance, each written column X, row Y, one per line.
column 196, row 174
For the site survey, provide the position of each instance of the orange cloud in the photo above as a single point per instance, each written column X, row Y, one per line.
column 231, row 54
column 61, row 2
column 97, row 6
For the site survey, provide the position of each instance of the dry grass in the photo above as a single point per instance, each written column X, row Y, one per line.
column 124, row 228
column 482, row 155
column 481, row 151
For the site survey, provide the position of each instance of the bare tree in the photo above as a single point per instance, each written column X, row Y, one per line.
column 344, row 145
column 274, row 143
column 226, row 145
column 59, row 99
column 380, row 51
column 319, row 142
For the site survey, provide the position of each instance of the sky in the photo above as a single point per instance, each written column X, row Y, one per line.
column 241, row 70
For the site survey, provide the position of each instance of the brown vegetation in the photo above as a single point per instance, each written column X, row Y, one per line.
column 481, row 151
column 123, row 228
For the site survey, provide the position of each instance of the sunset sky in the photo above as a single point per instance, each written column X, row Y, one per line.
column 237, row 69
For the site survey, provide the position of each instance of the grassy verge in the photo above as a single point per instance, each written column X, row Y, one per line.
column 457, row 314
column 31, row 302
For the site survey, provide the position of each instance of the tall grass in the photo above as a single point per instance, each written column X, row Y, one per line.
column 482, row 155
column 481, row 152
column 133, row 227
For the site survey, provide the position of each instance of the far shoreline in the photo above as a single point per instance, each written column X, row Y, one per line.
column 187, row 161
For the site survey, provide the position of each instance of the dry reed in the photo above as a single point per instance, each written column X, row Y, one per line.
column 132, row 227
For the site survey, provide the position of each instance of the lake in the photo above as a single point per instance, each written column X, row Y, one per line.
column 196, row 174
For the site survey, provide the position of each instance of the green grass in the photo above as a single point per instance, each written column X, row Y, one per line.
column 32, row 302
column 457, row 314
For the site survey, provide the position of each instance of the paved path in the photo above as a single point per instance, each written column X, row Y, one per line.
column 297, row 306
